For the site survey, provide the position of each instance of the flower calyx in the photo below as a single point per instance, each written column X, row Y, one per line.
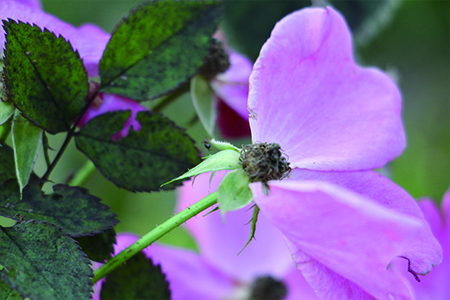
column 263, row 162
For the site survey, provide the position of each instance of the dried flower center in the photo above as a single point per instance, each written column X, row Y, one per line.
column 264, row 162
column 217, row 61
column 266, row 287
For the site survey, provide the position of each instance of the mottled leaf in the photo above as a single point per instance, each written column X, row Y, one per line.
column 148, row 281
column 44, row 77
column 27, row 140
column 70, row 208
column 205, row 103
column 233, row 192
column 98, row 247
column 42, row 262
column 143, row 160
column 7, row 167
column 7, row 293
column 157, row 47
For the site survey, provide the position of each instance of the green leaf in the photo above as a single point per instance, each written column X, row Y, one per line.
column 159, row 46
column 6, row 111
column 98, row 247
column 148, row 281
column 27, row 140
column 42, row 262
column 7, row 293
column 45, row 78
column 143, row 160
column 7, row 167
column 70, row 208
column 233, row 192
column 205, row 103
column 223, row 160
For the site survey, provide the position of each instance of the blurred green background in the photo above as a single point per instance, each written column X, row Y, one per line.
column 409, row 39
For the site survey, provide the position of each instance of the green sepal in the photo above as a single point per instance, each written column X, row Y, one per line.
column 233, row 192
column 70, row 208
column 149, row 282
column 44, row 76
column 159, row 46
column 98, row 247
column 27, row 140
column 205, row 103
column 223, row 160
column 253, row 226
column 220, row 145
column 142, row 160
column 41, row 261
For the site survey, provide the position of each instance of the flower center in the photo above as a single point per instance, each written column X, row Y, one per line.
column 266, row 287
column 264, row 162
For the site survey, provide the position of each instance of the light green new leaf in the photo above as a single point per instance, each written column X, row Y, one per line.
column 205, row 103
column 27, row 140
column 233, row 192
column 6, row 111
column 223, row 160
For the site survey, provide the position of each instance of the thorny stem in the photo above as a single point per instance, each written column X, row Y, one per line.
column 154, row 235
column 69, row 137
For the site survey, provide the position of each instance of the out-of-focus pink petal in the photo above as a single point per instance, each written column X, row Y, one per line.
column 89, row 40
column 220, row 241
column 230, row 124
column 232, row 86
column 434, row 286
column 189, row 275
column 113, row 102
column 297, row 286
column 333, row 115
column 346, row 232
column 34, row 4
column 424, row 252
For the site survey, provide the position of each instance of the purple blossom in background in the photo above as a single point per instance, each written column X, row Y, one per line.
column 88, row 39
column 217, row 272
column 434, row 286
column 335, row 122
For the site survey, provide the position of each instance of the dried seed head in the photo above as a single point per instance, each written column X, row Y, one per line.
column 263, row 162
column 266, row 287
column 217, row 61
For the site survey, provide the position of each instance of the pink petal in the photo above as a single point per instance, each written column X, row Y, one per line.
column 297, row 286
column 308, row 95
column 232, row 86
column 188, row 274
column 220, row 242
column 434, row 286
column 113, row 103
column 345, row 232
column 89, row 40
column 34, row 4
column 424, row 252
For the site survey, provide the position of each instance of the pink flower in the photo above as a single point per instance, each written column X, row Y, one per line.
column 89, row 40
column 335, row 121
column 216, row 271
column 435, row 285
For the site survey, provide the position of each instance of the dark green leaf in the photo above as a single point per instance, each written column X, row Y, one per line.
column 7, row 293
column 45, row 78
column 42, row 262
column 157, row 47
column 148, row 281
column 7, row 168
column 143, row 160
column 98, row 247
column 27, row 140
column 71, row 208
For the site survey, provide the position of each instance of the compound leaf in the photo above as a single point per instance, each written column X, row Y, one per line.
column 42, row 262
column 44, row 76
column 159, row 46
column 144, row 159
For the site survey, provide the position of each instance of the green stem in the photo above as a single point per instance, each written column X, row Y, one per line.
column 82, row 174
column 154, row 235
